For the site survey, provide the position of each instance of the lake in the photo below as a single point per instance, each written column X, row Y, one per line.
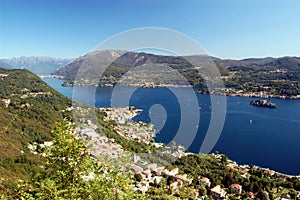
column 251, row 135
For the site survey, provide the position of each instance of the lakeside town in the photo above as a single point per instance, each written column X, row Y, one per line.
column 241, row 93
column 148, row 175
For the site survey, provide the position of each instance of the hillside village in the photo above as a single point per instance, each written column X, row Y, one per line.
column 151, row 176
column 113, row 138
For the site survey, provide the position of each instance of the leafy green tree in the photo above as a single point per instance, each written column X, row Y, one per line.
column 138, row 177
column 202, row 191
column 70, row 173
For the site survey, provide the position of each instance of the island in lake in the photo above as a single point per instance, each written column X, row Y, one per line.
column 263, row 103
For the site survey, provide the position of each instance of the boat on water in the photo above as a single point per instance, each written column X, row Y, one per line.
column 263, row 103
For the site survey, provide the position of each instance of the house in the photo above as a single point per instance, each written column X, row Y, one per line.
column 244, row 172
column 151, row 166
column 147, row 173
column 183, row 177
column 136, row 169
column 174, row 186
column 3, row 75
column 142, row 186
column 193, row 193
column 218, row 193
column 236, row 189
column 136, row 158
column 6, row 102
column 173, row 172
column 159, row 171
column 205, row 181
column 165, row 173
column 48, row 143
column 251, row 194
column 155, row 179
column 269, row 172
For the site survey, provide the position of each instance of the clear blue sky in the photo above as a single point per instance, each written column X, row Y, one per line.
column 225, row 28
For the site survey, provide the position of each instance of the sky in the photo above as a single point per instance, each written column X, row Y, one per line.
column 233, row 29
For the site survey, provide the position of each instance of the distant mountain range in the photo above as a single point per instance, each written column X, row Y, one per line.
column 274, row 76
column 68, row 67
column 5, row 65
column 113, row 64
column 86, row 69
column 37, row 64
column 287, row 63
column 133, row 59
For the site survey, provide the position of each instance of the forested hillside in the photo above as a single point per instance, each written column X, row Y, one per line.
column 277, row 77
column 29, row 108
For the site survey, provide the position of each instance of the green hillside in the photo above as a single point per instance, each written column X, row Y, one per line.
column 275, row 77
column 29, row 108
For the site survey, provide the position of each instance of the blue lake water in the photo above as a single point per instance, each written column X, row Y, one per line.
column 251, row 135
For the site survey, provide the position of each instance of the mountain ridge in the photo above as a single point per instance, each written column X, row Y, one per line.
column 227, row 63
column 253, row 77
column 42, row 65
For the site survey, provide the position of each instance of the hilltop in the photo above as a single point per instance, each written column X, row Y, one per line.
column 111, row 65
column 274, row 77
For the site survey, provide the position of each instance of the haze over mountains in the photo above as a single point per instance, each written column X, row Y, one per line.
column 135, row 59
column 288, row 63
column 41, row 65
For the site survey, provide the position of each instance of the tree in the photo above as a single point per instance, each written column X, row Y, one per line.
column 170, row 180
column 138, row 177
column 202, row 191
column 70, row 173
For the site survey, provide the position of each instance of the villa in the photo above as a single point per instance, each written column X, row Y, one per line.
column 205, row 181
column 6, row 102
column 218, row 193
column 236, row 189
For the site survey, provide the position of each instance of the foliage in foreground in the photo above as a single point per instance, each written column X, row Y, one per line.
column 29, row 118
column 70, row 173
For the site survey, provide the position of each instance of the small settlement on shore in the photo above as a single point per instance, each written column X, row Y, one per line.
column 107, row 149
column 151, row 172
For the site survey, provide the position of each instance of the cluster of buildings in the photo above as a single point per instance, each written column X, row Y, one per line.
column 3, row 75
column 101, row 145
column 35, row 94
column 244, row 93
column 120, row 115
column 153, row 174
column 140, row 131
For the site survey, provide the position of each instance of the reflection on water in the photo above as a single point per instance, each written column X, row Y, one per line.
column 251, row 135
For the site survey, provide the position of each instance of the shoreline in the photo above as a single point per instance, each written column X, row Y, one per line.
column 250, row 95
column 197, row 90
column 51, row 76
column 151, row 140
